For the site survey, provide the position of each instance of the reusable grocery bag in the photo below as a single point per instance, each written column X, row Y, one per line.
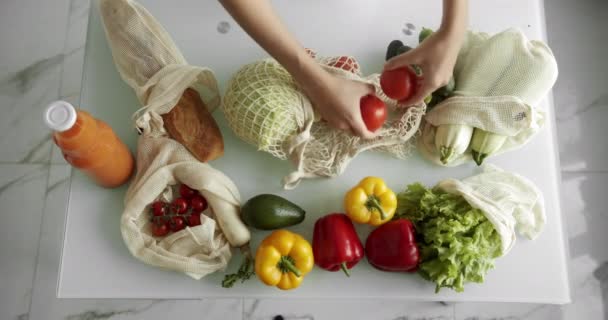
column 153, row 66
column 464, row 225
column 500, row 80
column 265, row 107
column 509, row 201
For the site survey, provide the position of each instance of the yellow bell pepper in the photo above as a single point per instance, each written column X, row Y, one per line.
column 370, row 202
column 282, row 259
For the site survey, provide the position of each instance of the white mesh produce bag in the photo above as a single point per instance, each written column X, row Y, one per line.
column 509, row 201
column 153, row 66
column 265, row 107
column 161, row 163
column 500, row 80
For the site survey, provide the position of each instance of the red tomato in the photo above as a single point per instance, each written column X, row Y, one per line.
column 159, row 208
column 180, row 205
column 373, row 111
column 160, row 229
column 194, row 219
column 345, row 63
column 186, row 192
column 177, row 223
column 398, row 84
column 198, row 204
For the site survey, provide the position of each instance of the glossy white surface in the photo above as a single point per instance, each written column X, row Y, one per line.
column 580, row 101
column 534, row 271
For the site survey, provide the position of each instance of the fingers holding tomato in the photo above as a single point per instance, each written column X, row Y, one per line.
column 398, row 84
column 373, row 111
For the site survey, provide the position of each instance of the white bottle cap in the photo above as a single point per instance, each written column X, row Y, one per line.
column 60, row 116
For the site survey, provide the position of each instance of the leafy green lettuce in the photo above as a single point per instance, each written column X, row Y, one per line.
column 457, row 242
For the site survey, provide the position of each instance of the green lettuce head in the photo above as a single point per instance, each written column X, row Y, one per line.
column 458, row 244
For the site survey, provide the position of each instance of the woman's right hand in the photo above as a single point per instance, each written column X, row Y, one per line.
column 337, row 100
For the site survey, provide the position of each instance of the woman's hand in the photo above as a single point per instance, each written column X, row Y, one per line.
column 436, row 56
column 337, row 100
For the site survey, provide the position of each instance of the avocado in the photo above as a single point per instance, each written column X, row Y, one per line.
column 391, row 51
column 269, row 211
column 403, row 49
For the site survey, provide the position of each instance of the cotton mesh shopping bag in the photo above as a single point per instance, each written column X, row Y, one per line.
column 153, row 66
column 265, row 107
column 458, row 245
column 500, row 80
column 512, row 203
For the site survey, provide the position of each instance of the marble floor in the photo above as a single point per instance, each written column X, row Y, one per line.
column 41, row 60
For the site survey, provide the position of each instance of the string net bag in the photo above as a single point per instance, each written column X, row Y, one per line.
column 266, row 108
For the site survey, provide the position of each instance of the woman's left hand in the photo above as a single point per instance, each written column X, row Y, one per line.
column 436, row 57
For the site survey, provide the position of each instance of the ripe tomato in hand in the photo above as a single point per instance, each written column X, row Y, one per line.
column 186, row 192
column 177, row 224
column 398, row 83
column 180, row 205
column 373, row 111
column 160, row 229
column 159, row 208
column 198, row 204
column 194, row 219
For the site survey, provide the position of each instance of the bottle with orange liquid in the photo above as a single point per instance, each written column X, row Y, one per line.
column 89, row 144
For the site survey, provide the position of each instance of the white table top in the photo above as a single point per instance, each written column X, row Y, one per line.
column 96, row 263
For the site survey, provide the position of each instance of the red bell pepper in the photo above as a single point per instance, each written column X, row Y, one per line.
column 392, row 247
column 335, row 243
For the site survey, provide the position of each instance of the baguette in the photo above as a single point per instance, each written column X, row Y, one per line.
column 192, row 125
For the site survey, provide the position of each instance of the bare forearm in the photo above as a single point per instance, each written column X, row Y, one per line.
column 334, row 98
column 455, row 17
column 260, row 21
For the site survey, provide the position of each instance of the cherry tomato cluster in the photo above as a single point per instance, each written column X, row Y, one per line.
column 183, row 211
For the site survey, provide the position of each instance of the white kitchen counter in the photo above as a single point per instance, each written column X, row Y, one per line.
column 534, row 271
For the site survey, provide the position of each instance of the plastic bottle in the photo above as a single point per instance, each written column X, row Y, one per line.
column 89, row 144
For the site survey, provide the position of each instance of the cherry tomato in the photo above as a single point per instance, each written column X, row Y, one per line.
column 159, row 208
column 194, row 219
column 160, row 229
column 186, row 192
column 398, row 84
column 198, row 204
column 373, row 111
column 180, row 205
column 345, row 63
column 177, row 223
